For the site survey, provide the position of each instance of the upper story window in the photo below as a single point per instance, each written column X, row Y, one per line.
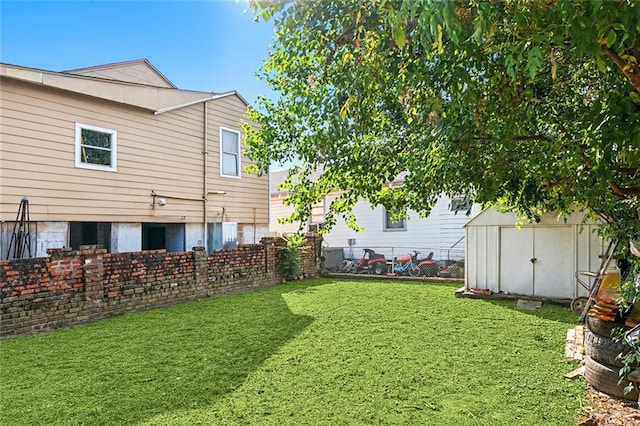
column 96, row 148
column 461, row 203
column 390, row 225
column 229, row 153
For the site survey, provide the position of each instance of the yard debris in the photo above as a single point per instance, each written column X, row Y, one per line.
column 529, row 304
column 575, row 373
column 606, row 410
column 483, row 292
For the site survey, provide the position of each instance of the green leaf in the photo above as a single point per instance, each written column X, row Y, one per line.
column 400, row 36
column 602, row 66
column 496, row 116
column 611, row 38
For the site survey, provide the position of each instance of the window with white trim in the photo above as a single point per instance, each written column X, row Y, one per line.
column 96, row 148
column 229, row 153
column 390, row 225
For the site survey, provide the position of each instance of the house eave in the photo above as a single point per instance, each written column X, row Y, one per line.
column 143, row 96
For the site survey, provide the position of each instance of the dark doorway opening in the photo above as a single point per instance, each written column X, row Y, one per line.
column 153, row 236
column 169, row 236
column 88, row 233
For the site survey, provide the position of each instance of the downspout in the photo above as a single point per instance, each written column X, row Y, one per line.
column 255, row 225
column 269, row 203
column 205, row 188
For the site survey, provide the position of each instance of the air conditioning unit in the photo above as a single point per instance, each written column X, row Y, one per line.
column 315, row 227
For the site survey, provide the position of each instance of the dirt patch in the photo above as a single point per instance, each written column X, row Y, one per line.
column 606, row 410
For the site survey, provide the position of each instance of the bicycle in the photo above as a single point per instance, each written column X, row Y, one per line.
column 348, row 266
column 405, row 265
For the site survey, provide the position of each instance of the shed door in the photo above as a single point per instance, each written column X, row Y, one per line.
column 537, row 261
column 554, row 258
column 516, row 269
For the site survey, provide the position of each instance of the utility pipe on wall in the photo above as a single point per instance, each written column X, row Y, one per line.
column 205, row 188
column 205, row 176
column 174, row 197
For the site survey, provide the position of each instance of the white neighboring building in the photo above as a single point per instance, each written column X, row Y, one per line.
column 442, row 232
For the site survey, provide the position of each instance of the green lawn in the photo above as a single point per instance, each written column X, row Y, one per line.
column 319, row 352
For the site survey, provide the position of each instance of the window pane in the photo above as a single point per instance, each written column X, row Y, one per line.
column 96, row 156
column 229, row 142
column 393, row 225
column 229, row 164
column 98, row 139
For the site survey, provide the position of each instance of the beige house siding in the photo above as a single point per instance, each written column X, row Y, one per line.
column 140, row 72
column 143, row 96
column 247, row 198
column 38, row 148
column 280, row 211
column 161, row 153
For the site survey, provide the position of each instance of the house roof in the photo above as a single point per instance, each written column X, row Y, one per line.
column 136, row 83
column 138, row 71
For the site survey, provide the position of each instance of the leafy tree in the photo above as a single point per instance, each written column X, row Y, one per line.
column 532, row 105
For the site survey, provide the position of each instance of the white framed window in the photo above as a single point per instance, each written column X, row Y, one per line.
column 229, row 153
column 390, row 225
column 96, row 148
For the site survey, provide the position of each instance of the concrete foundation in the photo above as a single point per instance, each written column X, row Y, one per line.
column 126, row 236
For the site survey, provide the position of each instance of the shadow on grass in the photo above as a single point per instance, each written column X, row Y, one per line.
column 548, row 311
column 131, row 368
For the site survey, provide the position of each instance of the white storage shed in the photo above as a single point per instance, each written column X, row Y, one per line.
column 535, row 259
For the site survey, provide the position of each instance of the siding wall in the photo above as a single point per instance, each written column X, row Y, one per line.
column 247, row 198
column 441, row 229
column 137, row 73
column 279, row 210
column 162, row 153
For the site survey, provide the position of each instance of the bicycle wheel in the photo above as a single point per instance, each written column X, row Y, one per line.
column 414, row 270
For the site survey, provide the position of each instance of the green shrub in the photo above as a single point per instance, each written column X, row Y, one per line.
column 290, row 258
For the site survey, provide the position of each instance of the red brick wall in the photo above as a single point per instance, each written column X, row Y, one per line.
column 75, row 287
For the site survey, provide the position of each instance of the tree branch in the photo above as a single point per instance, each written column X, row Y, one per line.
column 531, row 138
column 624, row 192
column 631, row 72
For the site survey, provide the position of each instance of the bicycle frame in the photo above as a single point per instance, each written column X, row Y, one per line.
column 405, row 267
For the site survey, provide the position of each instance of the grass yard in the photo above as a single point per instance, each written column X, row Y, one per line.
column 318, row 352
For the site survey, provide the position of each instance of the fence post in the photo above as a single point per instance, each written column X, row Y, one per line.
column 200, row 270
column 92, row 258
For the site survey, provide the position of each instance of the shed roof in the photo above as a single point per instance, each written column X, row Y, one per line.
column 490, row 216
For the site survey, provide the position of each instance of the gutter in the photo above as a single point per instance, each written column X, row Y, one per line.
column 210, row 98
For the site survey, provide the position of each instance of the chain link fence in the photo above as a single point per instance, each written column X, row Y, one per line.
column 431, row 261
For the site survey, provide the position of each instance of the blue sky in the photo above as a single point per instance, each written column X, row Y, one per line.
column 210, row 45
